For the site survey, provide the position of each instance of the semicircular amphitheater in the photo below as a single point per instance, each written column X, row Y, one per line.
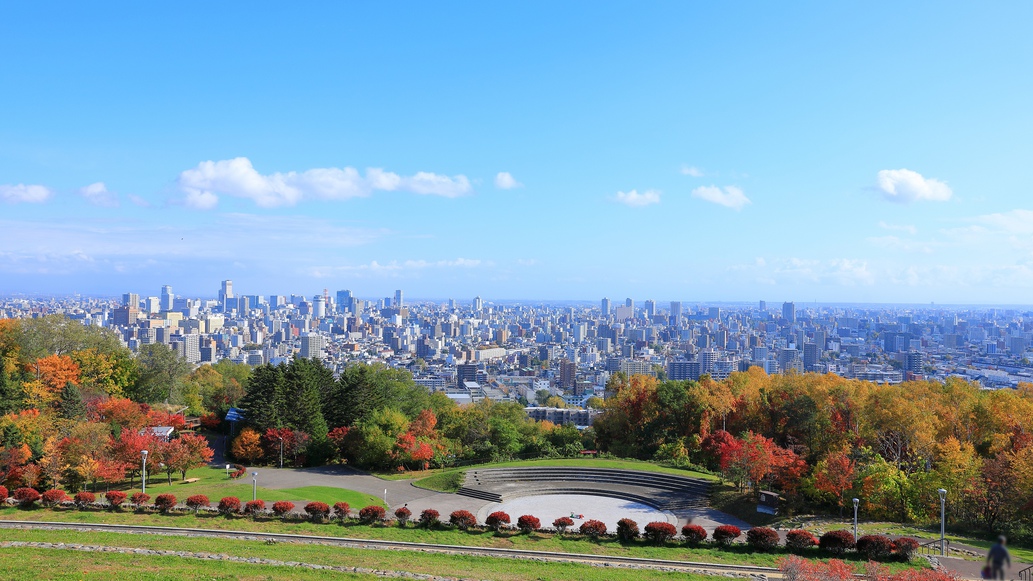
column 589, row 493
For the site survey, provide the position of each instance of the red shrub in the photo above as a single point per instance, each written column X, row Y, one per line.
column 497, row 520
column 165, row 502
column 52, row 497
column 27, row 496
column 694, row 534
column 528, row 523
column 342, row 510
column 229, row 505
column 429, row 518
column 805, row 570
column 593, row 528
column 562, row 523
column 115, row 498
column 84, row 499
column 627, row 530
column 462, row 519
column 660, row 532
column 836, row 542
column 762, row 538
column 3, row 493
column 282, row 508
column 799, row 539
column 318, row 511
column 197, row 502
column 238, row 471
column 254, row 507
column 403, row 514
column 875, row 547
column 373, row 513
column 725, row 534
column 139, row 499
column 906, row 548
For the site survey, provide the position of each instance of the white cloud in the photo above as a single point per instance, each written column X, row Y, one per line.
column 505, row 181
column 32, row 194
column 730, row 197
column 898, row 228
column 691, row 170
column 139, row 201
column 98, row 195
column 237, row 177
column 904, row 185
column 635, row 199
column 397, row 268
column 1013, row 222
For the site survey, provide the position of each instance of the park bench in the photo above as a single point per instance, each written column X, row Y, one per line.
column 190, row 480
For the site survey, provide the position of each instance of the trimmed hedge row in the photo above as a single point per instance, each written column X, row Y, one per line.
column 873, row 547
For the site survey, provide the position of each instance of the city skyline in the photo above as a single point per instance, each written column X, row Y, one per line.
column 837, row 154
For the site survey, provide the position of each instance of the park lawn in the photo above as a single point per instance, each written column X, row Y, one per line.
column 437, row 478
column 738, row 554
column 411, row 561
column 215, row 484
column 1022, row 554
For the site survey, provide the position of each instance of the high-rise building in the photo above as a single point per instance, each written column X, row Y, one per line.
column 568, row 374
column 629, row 302
column 344, row 301
column 318, row 306
column 811, row 354
column 465, row 372
column 131, row 300
column 166, row 298
column 675, row 313
column 226, row 292
column 707, row 358
column 789, row 312
column 478, row 304
column 398, row 299
column 763, row 306
column 311, row 345
column 650, row 308
column 605, row 306
column 913, row 362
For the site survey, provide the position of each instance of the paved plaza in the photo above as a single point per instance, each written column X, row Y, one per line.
column 549, row 507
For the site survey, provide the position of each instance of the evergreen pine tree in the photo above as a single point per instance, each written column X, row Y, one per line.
column 265, row 397
column 72, row 405
column 306, row 379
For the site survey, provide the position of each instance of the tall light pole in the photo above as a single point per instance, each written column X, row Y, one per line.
column 856, row 502
column 281, row 450
column 254, row 489
column 943, row 522
column 143, row 472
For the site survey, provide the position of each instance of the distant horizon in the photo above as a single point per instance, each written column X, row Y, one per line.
column 662, row 304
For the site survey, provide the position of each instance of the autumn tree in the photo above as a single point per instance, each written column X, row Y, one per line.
column 247, row 446
column 834, row 476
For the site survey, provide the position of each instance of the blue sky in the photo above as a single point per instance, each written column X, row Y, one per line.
column 829, row 151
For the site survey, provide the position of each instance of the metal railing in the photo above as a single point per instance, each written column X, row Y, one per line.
column 933, row 547
column 1025, row 574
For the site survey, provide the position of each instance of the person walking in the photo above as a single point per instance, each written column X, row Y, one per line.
column 997, row 557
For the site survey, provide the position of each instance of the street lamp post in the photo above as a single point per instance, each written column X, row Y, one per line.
column 227, row 471
column 254, row 489
column 143, row 472
column 943, row 522
column 281, row 450
column 856, row 501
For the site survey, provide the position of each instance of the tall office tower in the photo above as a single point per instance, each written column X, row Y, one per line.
column 344, row 301
column 568, row 374
column 226, row 292
column 319, row 306
column 630, row 303
column 311, row 345
column 760, row 353
column 811, row 354
column 153, row 305
column 451, row 304
column 763, row 306
column 650, row 308
column 714, row 313
column 478, row 304
column 398, row 299
column 675, row 313
column 819, row 340
column 166, row 298
column 913, row 362
column 707, row 358
column 605, row 306
column 131, row 300
column 789, row 312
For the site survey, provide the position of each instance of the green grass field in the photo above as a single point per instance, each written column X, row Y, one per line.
column 213, row 483
column 739, row 554
column 450, row 479
column 27, row 563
